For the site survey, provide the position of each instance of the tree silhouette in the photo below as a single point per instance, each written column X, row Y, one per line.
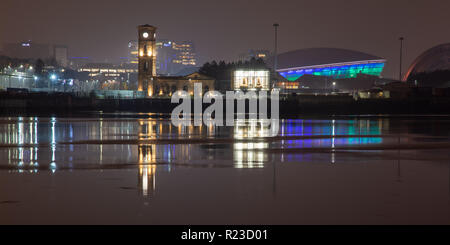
column 223, row 71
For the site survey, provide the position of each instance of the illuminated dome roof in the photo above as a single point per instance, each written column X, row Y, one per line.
column 436, row 58
column 320, row 56
column 331, row 62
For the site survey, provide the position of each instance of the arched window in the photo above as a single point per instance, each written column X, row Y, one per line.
column 146, row 66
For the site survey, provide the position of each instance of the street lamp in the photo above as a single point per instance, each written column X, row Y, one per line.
column 53, row 78
column 275, row 25
column 401, row 57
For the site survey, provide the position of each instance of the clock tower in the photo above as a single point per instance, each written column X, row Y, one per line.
column 146, row 58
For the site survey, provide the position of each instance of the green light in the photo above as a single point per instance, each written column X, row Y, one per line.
column 337, row 72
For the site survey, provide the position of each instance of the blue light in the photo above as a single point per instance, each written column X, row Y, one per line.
column 337, row 71
column 53, row 77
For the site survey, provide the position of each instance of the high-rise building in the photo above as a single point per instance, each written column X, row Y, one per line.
column 166, row 55
column 171, row 58
column 60, row 53
column 185, row 53
column 133, row 52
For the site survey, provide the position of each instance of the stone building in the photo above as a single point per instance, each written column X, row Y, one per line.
column 166, row 86
column 146, row 58
column 154, row 85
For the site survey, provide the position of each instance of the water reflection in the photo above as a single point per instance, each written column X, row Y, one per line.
column 151, row 158
column 147, row 170
column 25, row 157
column 35, row 143
column 355, row 132
column 250, row 154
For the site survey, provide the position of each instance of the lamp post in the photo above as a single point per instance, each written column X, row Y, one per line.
column 275, row 25
column 53, row 78
column 401, row 57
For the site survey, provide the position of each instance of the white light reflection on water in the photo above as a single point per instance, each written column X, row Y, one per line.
column 248, row 148
column 153, row 160
column 28, row 133
column 245, row 155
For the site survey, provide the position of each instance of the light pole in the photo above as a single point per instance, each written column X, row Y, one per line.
column 401, row 57
column 275, row 25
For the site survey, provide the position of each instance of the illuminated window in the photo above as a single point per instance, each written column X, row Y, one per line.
column 251, row 79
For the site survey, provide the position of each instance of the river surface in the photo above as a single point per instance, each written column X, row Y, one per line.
column 140, row 169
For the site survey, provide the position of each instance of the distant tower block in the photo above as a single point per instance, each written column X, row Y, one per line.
column 146, row 58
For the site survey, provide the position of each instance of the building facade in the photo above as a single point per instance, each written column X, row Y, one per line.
column 132, row 52
column 155, row 85
column 244, row 79
column 165, row 57
column 330, row 62
column 167, row 85
column 61, row 53
column 171, row 56
column 110, row 76
column 146, row 58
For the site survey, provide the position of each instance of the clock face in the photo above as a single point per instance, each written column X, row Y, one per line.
column 145, row 34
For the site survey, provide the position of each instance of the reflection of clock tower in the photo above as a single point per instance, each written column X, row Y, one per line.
column 147, row 58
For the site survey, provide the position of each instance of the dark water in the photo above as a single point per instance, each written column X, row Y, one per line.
column 122, row 169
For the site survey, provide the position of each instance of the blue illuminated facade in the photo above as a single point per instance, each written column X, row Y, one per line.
column 336, row 71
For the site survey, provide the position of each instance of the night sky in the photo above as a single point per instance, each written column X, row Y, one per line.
column 223, row 29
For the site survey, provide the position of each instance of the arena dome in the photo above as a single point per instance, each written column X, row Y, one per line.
column 436, row 58
column 333, row 62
